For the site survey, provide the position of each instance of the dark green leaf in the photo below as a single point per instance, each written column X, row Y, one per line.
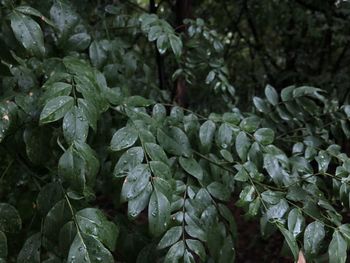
column 56, row 108
column 94, row 223
column 129, row 160
column 313, row 235
column 170, row 237
column 158, row 213
column 124, row 138
column 87, row 249
column 337, row 250
column 191, row 166
column 264, row 135
column 10, row 220
column 174, row 141
column 29, row 33
column 30, row 252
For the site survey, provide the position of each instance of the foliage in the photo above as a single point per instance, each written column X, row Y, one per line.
column 99, row 165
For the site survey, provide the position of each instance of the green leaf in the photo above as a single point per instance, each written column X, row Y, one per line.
column 56, row 108
column 175, row 253
column 3, row 245
column 27, row 10
column 160, row 169
column 124, row 138
column 264, row 135
column 135, row 182
column 219, row 191
column 87, row 249
column 78, row 42
column 191, row 166
column 129, row 160
column 89, row 111
column 323, row 159
column 176, row 44
column 337, row 250
column 10, row 221
column 98, row 54
column 313, row 235
column 290, row 239
column 66, row 236
column 64, row 18
column 55, row 219
column 30, row 252
column 56, row 89
column 28, row 32
column 139, row 203
column 277, row 211
column 75, row 126
column 242, row 145
column 206, row 134
column 271, row 95
column 155, row 152
column 197, row 247
column 261, row 105
column 296, row 222
column 158, row 213
column 48, row 196
column 224, row 136
column 171, row 237
column 174, row 141
column 94, row 223
column 250, row 124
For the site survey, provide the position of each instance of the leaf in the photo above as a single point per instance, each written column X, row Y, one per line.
column 3, row 246
column 139, row 203
column 78, row 42
column 206, row 134
column 129, row 160
column 94, row 223
column 64, row 18
column 219, row 191
column 337, row 250
column 28, row 32
column 288, row 236
column 176, row 44
column 158, row 213
column 135, row 182
column 155, row 152
column 264, row 135
column 175, row 253
column 242, row 145
column 224, row 136
column 48, row 196
column 271, row 95
column 197, row 247
column 261, row 105
column 171, row 237
column 97, row 53
column 10, row 220
column 174, row 141
column 277, row 211
column 296, row 222
column 323, row 159
column 55, row 219
column 160, row 169
column 30, row 252
column 66, row 236
column 89, row 111
column 56, row 108
column 56, row 89
column 191, row 166
column 313, row 235
column 75, row 125
column 87, row 249
column 124, row 138
column 27, row 10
